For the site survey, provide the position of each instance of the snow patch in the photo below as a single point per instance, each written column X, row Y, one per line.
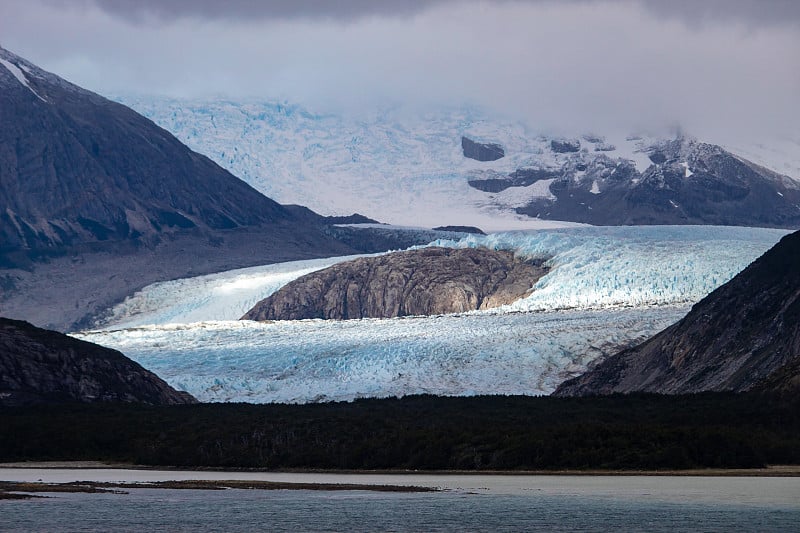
column 634, row 148
column 17, row 73
column 514, row 197
column 779, row 155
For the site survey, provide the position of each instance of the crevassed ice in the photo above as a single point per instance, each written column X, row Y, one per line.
column 629, row 266
column 608, row 288
column 316, row 360
column 590, row 268
column 395, row 164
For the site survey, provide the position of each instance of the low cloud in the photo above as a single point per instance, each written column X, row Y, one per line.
column 720, row 69
column 693, row 12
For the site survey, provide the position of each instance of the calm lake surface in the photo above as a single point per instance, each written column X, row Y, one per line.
column 468, row 503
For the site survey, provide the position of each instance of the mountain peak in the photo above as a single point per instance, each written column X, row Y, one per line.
column 80, row 174
column 19, row 74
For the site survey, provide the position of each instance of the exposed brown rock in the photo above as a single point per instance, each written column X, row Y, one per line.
column 743, row 336
column 42, row 366
column 427, row 281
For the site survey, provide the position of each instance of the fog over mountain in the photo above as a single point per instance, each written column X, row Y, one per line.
column 722, row 70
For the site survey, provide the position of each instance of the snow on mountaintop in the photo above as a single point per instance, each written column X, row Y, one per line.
column 17, row 73
column 780, row 155
column 23, row 71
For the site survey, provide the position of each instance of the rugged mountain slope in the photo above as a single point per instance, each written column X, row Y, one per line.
column 80, row 173
column 744, row 335
column 427, row 281
column 41, row 366
column 77, row 168
column 410, row 168
column 688, row 182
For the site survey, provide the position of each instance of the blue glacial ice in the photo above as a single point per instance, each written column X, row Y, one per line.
column 608, row 288
column 315, row 360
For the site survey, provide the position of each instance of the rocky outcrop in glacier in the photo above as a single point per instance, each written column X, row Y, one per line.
column 41, row 366
column 565, row 146
column 481, row 151
column 743, row 336
column 427, row 281
column 461, row 229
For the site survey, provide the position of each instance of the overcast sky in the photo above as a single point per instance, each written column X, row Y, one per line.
column 722, row 69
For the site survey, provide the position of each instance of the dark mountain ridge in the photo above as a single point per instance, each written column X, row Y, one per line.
column 41, row 366
column 97, row 201
column 688, row 182
column 77, row 168
column 743, row 336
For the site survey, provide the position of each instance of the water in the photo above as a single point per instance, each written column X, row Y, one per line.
column 468, row 503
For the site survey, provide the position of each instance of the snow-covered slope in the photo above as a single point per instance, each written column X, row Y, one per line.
column 608, row 287
column 780, row 155
column 401, row 166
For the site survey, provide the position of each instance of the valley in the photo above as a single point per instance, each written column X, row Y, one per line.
column 607, row 288
column 515, row 261
column 441, row 265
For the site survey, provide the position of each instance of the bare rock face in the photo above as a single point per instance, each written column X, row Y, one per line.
column 461, row 229
column 565, row 146
column 688, row 182
column 42, row 366
column 481, row 151
column 743, row 336
column 427, row 281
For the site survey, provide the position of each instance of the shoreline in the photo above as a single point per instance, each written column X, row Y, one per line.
column 17, row 490
column 770, row 471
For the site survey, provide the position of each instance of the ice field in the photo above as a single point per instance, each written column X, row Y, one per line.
column 395, row 164
column 607, row 288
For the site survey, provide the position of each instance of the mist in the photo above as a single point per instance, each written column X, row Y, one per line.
column 724, row 71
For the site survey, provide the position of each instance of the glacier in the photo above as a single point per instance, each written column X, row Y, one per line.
column 607, row 288
column 306, row 361
column 397, row 165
